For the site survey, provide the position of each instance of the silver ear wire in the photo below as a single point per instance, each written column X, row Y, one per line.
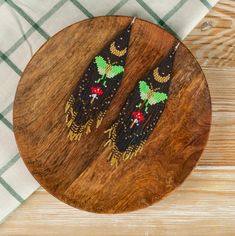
column 176, row 46
column 132, row 22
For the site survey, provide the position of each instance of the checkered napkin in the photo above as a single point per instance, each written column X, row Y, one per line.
column 25, row 25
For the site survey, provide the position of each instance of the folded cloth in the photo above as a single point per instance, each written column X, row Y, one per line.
column 25, row 25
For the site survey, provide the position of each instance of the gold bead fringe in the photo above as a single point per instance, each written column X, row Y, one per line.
column 115, row 155
column 76, row 130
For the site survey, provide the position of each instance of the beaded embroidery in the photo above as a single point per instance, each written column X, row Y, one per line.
column 141, row 112
column 91, row 97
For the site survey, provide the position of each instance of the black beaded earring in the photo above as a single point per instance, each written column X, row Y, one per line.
column 90, row 99
column 141, row 112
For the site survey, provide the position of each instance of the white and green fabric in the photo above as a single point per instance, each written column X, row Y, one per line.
column 25, row 25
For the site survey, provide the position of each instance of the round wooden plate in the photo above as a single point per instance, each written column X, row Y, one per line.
column 78, row 172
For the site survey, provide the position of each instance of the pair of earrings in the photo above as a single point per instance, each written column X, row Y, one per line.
column 89, row 101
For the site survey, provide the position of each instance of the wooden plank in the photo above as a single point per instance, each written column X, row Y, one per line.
column 213, row 41
column 205, row 203
column 220, row 149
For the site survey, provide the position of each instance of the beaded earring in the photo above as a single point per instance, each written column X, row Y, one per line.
column 141, row 112
column 90, row 99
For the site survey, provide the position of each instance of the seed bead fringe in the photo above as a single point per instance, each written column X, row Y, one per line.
column 70, row 113
column 115, row 155
column 69, row 103
column 76, row 130
column 100, row 118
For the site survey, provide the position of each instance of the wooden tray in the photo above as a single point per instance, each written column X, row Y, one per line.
column 78, row 172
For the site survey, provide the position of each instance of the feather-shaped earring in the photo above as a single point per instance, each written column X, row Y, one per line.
column 96, row 88
column 141, row 112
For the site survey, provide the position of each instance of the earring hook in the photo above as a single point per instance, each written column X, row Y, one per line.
column 132, row 22
column 176, row 46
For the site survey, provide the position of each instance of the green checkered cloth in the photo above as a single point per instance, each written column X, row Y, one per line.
column 25, row 25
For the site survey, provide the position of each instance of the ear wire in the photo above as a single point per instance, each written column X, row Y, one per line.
column 132, row 22
column 176, row 46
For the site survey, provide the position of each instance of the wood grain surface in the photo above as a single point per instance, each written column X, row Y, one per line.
column 78, row 172
column 204, row 204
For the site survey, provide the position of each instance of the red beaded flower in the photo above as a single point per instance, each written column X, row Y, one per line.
column 96, row 90
column 138, row 115
column 137, row 118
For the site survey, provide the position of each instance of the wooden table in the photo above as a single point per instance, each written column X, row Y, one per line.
column 205, row 203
